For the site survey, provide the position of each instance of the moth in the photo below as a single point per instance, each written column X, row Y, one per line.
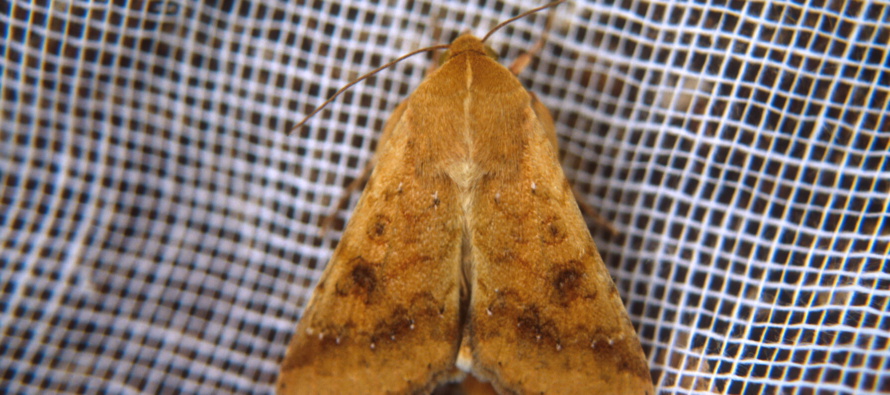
column 466, row 254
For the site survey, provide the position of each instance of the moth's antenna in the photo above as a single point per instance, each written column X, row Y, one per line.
column 522, row 15
column 375, row 71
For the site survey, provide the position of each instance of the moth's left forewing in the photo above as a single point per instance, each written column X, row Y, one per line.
column 385, row 315
column 544, row 315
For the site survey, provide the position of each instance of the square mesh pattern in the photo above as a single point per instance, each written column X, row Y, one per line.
column 160, row 230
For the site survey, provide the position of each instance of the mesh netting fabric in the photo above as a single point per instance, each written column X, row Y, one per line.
column 161, row 232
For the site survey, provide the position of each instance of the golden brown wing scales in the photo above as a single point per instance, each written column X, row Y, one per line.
column 467, row 186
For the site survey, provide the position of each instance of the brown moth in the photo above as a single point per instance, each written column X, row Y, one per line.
column 467, row 253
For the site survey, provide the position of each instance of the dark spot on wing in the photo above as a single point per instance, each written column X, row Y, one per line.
column 532, row 327
column 566, row 280
column 377, row 230
column 361, row 281
column 394, row 327
column 417, row 321
column 363, row 276
column 553, row 231
column 568, row 283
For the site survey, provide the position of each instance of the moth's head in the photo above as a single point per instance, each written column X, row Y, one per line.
column 468, row 43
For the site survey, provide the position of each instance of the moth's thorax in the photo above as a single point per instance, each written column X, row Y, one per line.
column 468, row 116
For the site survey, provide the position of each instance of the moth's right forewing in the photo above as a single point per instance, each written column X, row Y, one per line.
column 385, row 317
column 544, row 316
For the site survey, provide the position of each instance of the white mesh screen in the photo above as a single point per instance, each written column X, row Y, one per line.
column 160, row 230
